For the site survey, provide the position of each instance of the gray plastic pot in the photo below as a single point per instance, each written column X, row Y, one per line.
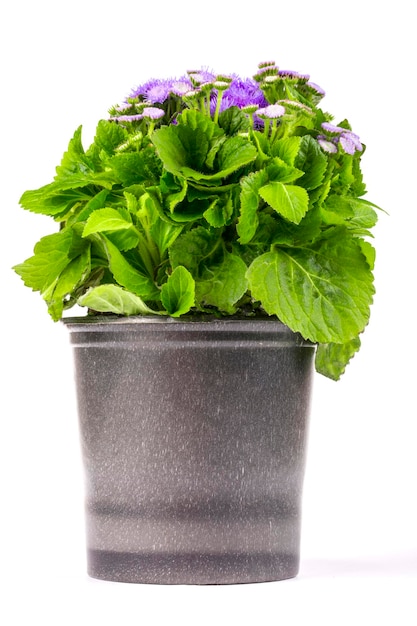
column 193, row 441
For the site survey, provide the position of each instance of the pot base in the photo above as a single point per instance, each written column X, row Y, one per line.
column 192, row 568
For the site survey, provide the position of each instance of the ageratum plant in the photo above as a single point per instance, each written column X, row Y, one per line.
column 214, row 194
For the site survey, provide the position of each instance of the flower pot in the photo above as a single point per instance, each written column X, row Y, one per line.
column 193, row 441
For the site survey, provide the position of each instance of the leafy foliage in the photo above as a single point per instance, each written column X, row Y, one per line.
column 199, row 205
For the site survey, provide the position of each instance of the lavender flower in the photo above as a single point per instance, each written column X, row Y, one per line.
column 123, row 107
column 316, row 88
column 201, row 76
column 331, row 128
column 180, row 87
column 242, row 92
column 293, row 75
column 349, row 141
column 268, row 64
column 127, row 118
column 153, row 113
column 153, row 91
column 326, row 144
column 294, row 104
column 272, row 111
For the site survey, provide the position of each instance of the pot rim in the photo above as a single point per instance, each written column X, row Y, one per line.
column 260, row 329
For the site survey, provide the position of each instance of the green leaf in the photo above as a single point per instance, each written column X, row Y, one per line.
column 173, row 199
column 193, row 247
column 249, row 204
column 116, row 223
column 114, row 299
column 106, row 220
column 332, row 358
column 286, row 149
column 290, row 201
column 52, row 255
column 368, row 251
column 109, row 136
column 74, row 160
column 184, row 149
column 280, row 171
column 96, row 202
column 71, row 276
column 127, row 276
column 178, row 293
column 233, row 121
column 312, row 161
column 223, row 283
column 170, row 148
column 219, row 212
column 187, row 143
column 51, row 200
column 233, row 154
column 133, row 168
column 324, row 291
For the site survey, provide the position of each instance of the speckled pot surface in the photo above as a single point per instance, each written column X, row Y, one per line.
column 193, row 440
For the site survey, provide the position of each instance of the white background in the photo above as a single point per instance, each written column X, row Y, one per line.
column 64, row 64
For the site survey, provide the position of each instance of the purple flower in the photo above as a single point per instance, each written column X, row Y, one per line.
column 127, row 118
column 201, row 76
column 153, row 113
column 180, row 87
column 123, row 107
column 242, row 92
column 326, row 144
column 349, row 141
column 331, row 128
column 294, row 75
column 272, row 111
column 153, row 91
column 294, row 104
column 316, row 88
column 267, row 64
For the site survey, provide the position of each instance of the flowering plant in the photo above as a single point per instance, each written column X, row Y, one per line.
column 214, row 194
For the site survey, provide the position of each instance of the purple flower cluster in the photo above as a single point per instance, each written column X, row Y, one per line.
column 349, row 141
column 240, row 93
column 149, row 113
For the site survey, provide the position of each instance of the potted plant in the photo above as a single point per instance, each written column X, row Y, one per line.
column 217, row 234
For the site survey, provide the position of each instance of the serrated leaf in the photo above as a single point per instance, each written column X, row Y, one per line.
column 114, row 299
column 178, row 293
column 72, row 275
column 232, row 120
column 96, row 202
column 222, row 283
column 324, row 291
column 74, row 160
column 184, row 150
column 234, row 153
column 280, row 171
column 106, row 220
column 133, row 168
column 332, row 358
column 290, row 201
column 249, row 204
column 109, row 136
column 219, row 212
column 312, row 161
column 127, row 276
column 52, row 200
column 193, row 247
column 51, row 255
column 286, row 149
